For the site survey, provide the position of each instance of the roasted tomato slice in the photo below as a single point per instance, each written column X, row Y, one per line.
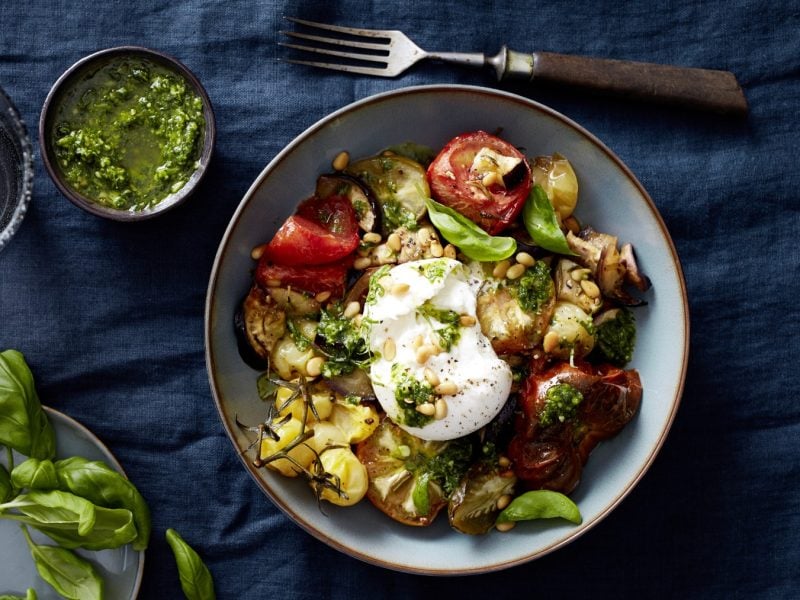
column 553, row 456
column 311, row 278
column 323, row 230
column 484, row 178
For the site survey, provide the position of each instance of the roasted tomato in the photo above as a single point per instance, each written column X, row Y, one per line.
column 484, row 178
column 552, row 456
column 311, row 278
column 323, row 230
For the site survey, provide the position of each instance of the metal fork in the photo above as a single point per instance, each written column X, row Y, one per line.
column 388, row 53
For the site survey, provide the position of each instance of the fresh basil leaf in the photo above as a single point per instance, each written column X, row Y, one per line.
column 35, row 474
column 196, row 581
column 541, row 222
column 102, row 485
column 540, row 504
column 6, row 487
column 473, row 241
column 29, row 595
column 72, row 521
column 70, row 575
column 24, row 426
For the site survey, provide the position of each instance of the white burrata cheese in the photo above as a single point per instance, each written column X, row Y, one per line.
column 399, row 312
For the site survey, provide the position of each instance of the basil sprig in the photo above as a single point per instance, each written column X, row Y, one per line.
column 473, row 241
column 70, row 575
column 541, row 222
column 24, row 426
column 540, row 504
column 196, row 581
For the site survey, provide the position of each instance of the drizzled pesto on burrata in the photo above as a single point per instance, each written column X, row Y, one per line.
column 129, row 133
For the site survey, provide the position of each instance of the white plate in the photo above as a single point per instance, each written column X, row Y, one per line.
column 121, row 568
column 611, row 199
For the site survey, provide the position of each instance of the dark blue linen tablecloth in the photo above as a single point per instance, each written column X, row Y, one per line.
column 110, row 316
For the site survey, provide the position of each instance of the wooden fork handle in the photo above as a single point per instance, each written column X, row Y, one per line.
column 703, row 89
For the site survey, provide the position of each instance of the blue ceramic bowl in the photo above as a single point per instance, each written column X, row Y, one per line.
column 84, row 68
column 611, row 199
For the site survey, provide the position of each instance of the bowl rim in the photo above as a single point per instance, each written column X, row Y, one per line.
column 225, row 247
column 25, row 193
column 169, row 202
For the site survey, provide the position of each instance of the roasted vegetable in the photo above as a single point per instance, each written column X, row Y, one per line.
column 473, row 506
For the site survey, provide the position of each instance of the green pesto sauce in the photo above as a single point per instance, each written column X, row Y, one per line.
column 535, row 287
column 561, row 404
column 129, row 134
column 409, row 393
column 447, row 326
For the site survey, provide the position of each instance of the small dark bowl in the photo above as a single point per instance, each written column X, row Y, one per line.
column 73, row 75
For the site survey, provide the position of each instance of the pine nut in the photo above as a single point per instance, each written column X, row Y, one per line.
column 257, row 252
column 273, row 283
column 424, row 352
column 436, row 249
column 322, row 297
column 503, row 501
column 450, row 251
column 314, row 366
column 515, row 271
column 351, row 310
column 394, row 242
column 400, row 288
column 579, row 274
column 550, row 341
column 389, row 349
column 440, row 409
column 362, row 262
column 431, row 377
column 503, row 462
column 467, row 320
column 426, row 408
column 341, row 161
column 501, row 268
column 526, row 259
column 418, row 341
column 372, row 238
column 505, row 526
column 590, row 288
column 424, row 236
column 446, row 388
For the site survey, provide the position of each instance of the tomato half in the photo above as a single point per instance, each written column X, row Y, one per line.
column 321, row 231
column 309, row 278
column 459, row 181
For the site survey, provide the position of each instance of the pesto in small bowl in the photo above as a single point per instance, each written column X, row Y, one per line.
column 127, row 132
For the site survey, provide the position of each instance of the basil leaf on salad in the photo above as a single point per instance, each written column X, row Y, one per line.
column 196, row 581
column 542, row 224
column 70, row 575
column 540, row 504
column 24, row 425
column 473, row 241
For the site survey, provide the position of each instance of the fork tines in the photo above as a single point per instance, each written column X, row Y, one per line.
column 373, row 59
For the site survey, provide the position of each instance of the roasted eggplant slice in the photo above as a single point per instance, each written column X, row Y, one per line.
column 400, row 186
column 473, row 505
column 367, row 208
column 259, row 324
